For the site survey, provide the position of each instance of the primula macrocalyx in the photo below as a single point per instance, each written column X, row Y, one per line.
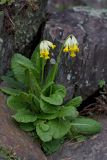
column 45, row 47
column 71, row 46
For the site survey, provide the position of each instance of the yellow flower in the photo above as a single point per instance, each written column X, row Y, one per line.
column 45, row 47
column 71, row 45
column 72, row 54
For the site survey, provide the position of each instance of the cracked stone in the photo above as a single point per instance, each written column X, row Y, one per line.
column 90, row 28
column 14, row 139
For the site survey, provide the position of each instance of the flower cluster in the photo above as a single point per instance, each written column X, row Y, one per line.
column 45, row 47
column 70, row 46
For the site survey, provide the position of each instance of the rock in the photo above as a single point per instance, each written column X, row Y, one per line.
column 2, row 158
column 96, row 3
column 57, row 5
column 1, row 39
column 81, row 74
column 21, row 29
column 14, row 139
column 93, row 149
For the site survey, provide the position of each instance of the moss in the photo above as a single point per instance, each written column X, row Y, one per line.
column 6, row 154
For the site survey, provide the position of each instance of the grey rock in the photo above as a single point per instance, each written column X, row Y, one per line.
column 1, row 39
column 19, row 29
column 60, row 5
column 14, row 140
column 2, row 158
column 95, row 3
column 57, row 5
column 81, row 74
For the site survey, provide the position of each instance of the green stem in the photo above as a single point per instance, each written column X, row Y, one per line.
column 55, row 67
column 43, row 67
column 57, row 63
column 58, row 60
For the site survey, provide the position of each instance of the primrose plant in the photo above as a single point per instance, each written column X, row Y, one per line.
column 37, row 100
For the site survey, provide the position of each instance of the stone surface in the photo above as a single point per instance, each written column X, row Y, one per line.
column 81, row 74
column 21, row 29
column 96, row 3
column 2, row 158
column 93, row 149
column 60, row 5
column 14, row 139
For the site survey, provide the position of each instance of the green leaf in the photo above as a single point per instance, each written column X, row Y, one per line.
column 23, row 61
column 12, row 82
column 45, row 127
column 52, row 73
column 45, row 136
column 28, row 127
column 81, row 138
column 61, row 128
column 16, row 103
column 101, row 83
column 37, row 62
column 47, row 116
column 26, row 97
column 10, row 91
column 47, row 87
column 57, row 129
column 24, row 117
column 54, row 99
column 52, row 146
column 75, row 102
column 85, row 126
column 48, row 108
column 57, row 94
column 32, row 82
column 19, row 65
column 68, row 111
column 18, row 70
column 36, row 100
column 60, row 89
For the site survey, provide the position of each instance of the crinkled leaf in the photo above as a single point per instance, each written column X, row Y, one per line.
column 19, row 64
column 18, row 70
column 48, row 108
column 11, row 82
column 57, row 95
column 37, row 62
column 85, row 126
column 10, row 91
column 47, row 116
column 16, row 103
column 60, row 89
column 45, row 136
column 52, row 146
column 68, row 111
column 25, row 117
column 57, row 129
column 75, row 102
column 31, row 82
column 61, row 128
column 28, row 127
column 54, row 99
column 45, row 127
